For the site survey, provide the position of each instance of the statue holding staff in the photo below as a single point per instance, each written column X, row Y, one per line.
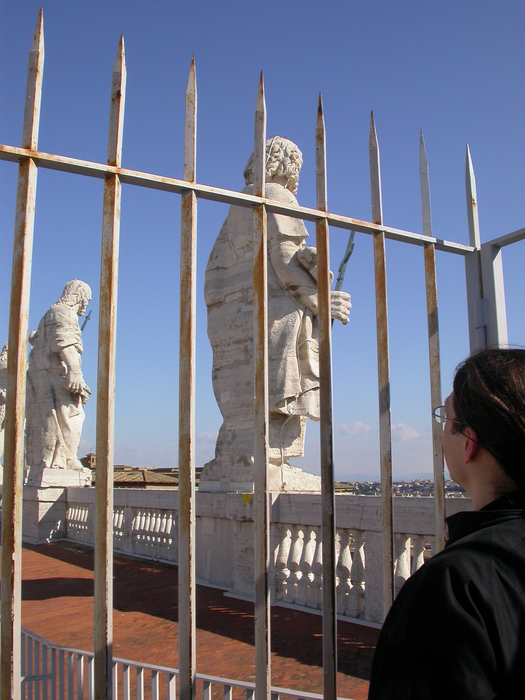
column 56, row 391
column 293, row 363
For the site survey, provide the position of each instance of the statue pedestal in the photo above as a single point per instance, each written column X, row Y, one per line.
column 53, row 478
column 286, row 479
column 43, row 515
column 281, row 479
column 45, row 502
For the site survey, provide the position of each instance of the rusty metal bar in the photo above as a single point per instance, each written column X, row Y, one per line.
column 475, row 301
column 216, row 194
column 433, row 347
column 260, row 356
column 103, row 596
column 326, row 430
column 188, row 287
column 10, row 683
column 383, row 372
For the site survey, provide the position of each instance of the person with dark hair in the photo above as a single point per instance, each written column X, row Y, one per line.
column 457, row 627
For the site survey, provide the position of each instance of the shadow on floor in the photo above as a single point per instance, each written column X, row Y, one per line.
column 151, row 589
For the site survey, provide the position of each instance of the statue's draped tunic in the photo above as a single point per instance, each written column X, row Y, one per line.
column 293, row 374
column 54, row 416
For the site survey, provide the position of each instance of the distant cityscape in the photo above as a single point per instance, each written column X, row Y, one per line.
column 148, row 477
column 414, row 488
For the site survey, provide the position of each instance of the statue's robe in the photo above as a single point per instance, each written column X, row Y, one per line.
column 54, row 416
column 293, row 364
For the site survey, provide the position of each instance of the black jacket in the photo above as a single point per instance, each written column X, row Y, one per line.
column 457, row 627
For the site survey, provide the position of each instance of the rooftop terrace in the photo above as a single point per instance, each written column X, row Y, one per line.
column 57, row 604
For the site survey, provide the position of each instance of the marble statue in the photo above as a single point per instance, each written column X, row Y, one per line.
column 293, row 363
column 3, row 391
column 56, row 391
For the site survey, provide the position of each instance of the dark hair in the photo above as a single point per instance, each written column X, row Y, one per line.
column 489, row 397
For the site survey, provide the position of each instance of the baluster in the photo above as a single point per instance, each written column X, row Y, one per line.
column 356, row 598
column 402, row 560
column 282, row 572
column 169, row 533
column 305, row 567
column 147, row 532
column 315, row 597
column 294, row 559
column 142, row 532
column 137, row 522
column 155, row 533
column 418, row 550
column 343, row 568
column 164, row 535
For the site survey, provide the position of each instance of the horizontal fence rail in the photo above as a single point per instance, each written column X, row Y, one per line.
column 216, row 194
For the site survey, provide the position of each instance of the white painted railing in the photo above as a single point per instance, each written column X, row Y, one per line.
column 145, row 524
column 60, row 673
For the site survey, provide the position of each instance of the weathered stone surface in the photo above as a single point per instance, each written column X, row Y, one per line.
column 146, row 525
column 44, row 515
column 56, row 391
column 293, row 365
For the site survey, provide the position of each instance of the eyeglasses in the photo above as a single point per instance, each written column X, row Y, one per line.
column 441, row 417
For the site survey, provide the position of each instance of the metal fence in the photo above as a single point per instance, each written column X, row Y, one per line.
column 51, row 672
column 486, row 311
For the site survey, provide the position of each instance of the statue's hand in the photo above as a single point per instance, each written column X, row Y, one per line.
column 340, row 302
column 85, row 393
column 75, row 381
column 2, row 397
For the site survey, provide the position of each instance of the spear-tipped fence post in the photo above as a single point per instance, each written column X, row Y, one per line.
column 103, row 575
column 383, row 365
column 433, row 346
column 326, row 428
column 16, row 378
column 475, row 301
column 260, row 350
column 188, row 275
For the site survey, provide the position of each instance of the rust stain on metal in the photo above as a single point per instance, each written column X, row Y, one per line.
column 326, row 419
column 11, row 563
column 435, row 391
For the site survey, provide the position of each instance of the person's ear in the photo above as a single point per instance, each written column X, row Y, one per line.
column 471, row 445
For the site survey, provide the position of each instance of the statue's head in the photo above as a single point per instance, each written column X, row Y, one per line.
column 76, row 293
column 283, row 164
column 3, row 354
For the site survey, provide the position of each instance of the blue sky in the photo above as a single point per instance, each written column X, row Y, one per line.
column 453, row 69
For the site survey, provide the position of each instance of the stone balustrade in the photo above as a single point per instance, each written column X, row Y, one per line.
column 146, row 525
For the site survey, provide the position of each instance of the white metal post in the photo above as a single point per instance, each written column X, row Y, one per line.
column 433, row 347
column 326, row 428
column 475, row 302
column 103, row 575
column 494, row 295
column 16, row 379
column 383, row 371
column 260, row 354
column 188, row 286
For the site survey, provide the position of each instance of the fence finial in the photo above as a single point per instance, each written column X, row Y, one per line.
column 34, row 86
column 190, row 125
column 116, row 115
column 472, row 202
column 259, row 150
column 425, row 186
column 320, row 157
column 375, row 174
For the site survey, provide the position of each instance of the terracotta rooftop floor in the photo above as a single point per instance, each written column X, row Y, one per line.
column 57, row 604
